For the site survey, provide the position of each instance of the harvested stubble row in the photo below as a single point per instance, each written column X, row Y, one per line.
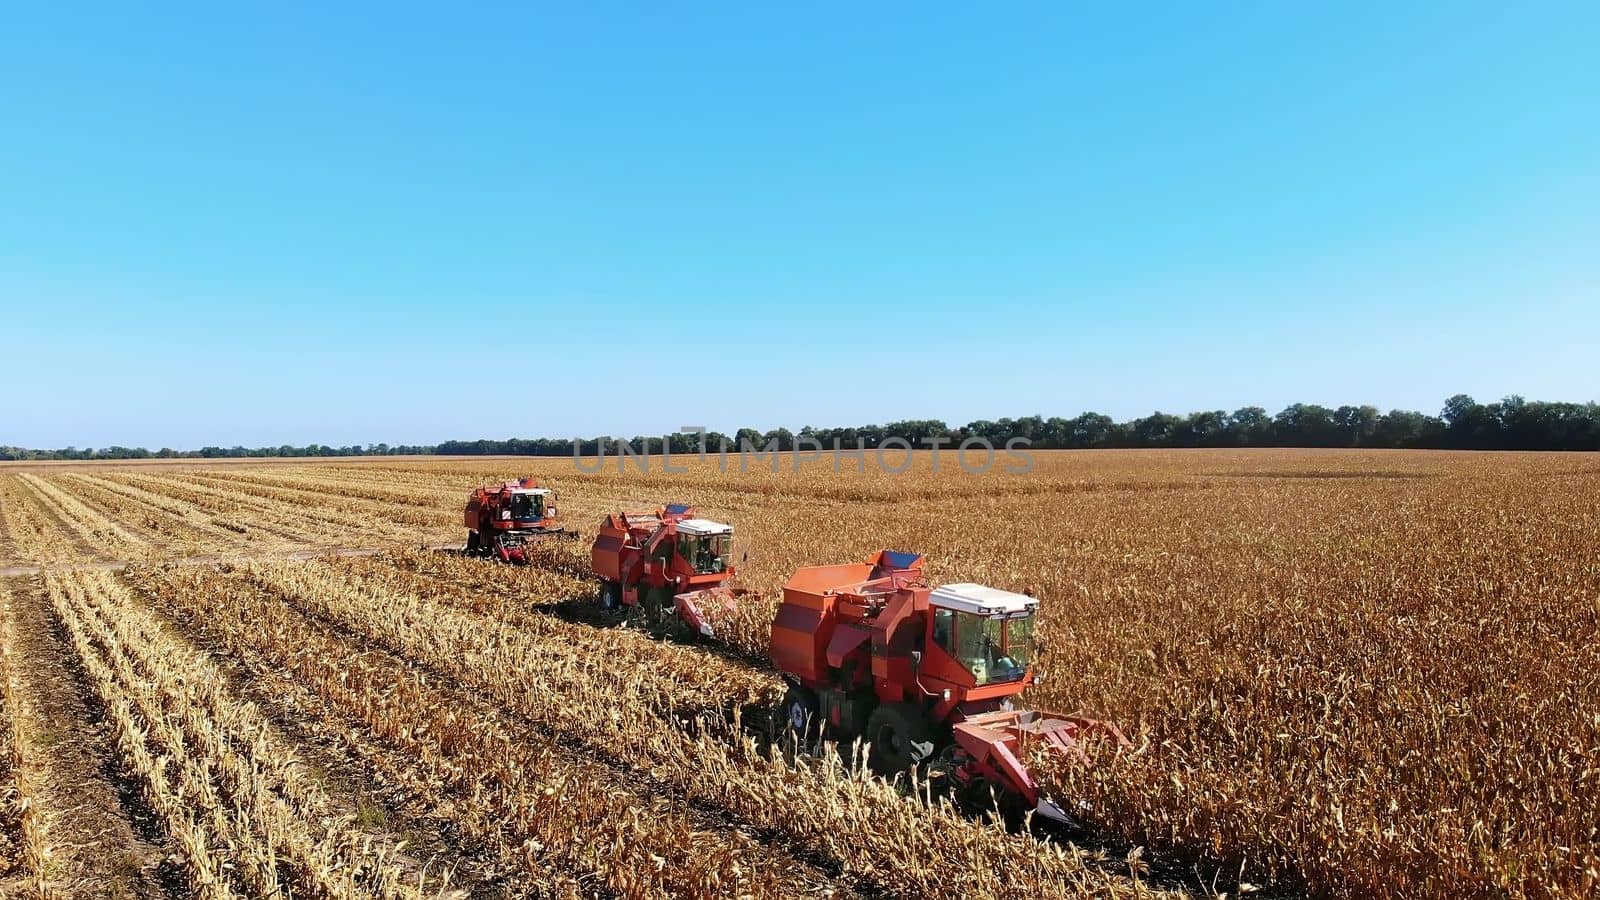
column 8, row 545
column 36, row 536
column 286, row 523
column 161, row 532
column 392, row 522
column 558, row 574
column 285, row 506
column 90, row 524
column 548, row 808
column 625, row 698
column 231, row 795
column 226, row 528
column 385, row 518
column 23, row 848
column 441, row 501
column 32, row 535
column 175, row 525
column 646, row 675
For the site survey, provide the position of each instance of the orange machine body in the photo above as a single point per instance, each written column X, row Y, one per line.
column 669, row 559
column 875, row 652
column 865, row 626
column 501, row 519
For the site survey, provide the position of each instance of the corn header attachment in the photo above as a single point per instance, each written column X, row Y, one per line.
column 699, row 610
column 989, row 750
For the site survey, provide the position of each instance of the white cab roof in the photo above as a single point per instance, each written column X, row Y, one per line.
column 704, row 526
column 540, row 491
column 983, row 601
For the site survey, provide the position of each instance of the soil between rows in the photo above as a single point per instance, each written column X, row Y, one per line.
column 103, row 841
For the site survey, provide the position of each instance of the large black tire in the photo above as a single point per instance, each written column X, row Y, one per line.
column 901, row 738
column 472, row 543
column 801, row 714
column 610, row 595
column 859, row 705
column 657, row 604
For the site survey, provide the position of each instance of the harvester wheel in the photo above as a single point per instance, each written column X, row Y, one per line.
column 901, row 738
column 801, row 714
column 472, row 543
column 610, row 595
column 657, row 605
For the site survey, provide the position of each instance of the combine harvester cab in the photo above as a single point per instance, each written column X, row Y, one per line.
column 922, row 674
column 502, row 520
column 670, row 564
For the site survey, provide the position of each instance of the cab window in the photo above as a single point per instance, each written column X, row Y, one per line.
column 992, row 648
column 944, row 627
column 1019, row 640
column 706, row 553
column 525, row 506
column 688, row 547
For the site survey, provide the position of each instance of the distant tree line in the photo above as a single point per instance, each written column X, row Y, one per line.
column 1463, row 424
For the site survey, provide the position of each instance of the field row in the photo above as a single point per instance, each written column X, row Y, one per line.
column 1360, row 674
column 23, row 845
column 508, row 731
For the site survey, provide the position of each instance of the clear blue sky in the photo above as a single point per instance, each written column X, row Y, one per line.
column 412, row 223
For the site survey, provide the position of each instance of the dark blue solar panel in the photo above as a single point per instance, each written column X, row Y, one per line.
column 899, row 559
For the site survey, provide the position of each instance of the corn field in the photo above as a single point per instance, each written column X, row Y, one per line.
column 1344, row 674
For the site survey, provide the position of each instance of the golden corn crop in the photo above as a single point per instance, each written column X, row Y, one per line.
column 1353, row 674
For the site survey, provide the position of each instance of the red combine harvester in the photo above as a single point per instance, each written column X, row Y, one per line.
column 664, row 562
column 923, row 674
column 502, row 519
